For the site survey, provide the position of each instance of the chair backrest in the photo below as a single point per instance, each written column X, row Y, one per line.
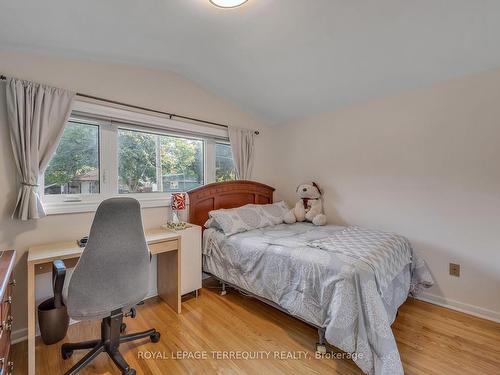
column 113, row 270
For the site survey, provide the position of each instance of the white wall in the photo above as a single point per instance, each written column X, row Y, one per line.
column 149, row 88
column 425, row 164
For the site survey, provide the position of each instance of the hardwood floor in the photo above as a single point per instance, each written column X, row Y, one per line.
column 431, row 340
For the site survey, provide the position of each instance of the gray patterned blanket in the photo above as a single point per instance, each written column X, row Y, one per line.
column 331, row 289
column 386, row 253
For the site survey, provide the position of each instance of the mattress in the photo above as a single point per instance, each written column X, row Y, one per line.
column 326, row 288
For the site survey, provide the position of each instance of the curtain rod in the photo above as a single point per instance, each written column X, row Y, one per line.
column 170, row 115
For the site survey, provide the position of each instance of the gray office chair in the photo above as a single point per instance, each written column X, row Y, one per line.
column 110, row 278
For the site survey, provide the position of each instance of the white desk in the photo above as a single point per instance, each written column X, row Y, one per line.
column 167, row 246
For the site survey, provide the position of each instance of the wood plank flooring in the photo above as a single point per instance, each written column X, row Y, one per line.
column 431, row 340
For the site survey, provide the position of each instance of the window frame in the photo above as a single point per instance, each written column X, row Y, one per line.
column 110, row 120
column 54, row 200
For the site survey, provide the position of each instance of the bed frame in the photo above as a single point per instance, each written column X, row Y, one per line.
column 231, row 194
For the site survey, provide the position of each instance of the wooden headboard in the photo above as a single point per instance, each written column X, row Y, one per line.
column 228, row 194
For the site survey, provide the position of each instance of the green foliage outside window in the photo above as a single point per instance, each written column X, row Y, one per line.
column 224, row 166
column 137, row 160
column 76, row 155
column 140, row 154
column 147, row 162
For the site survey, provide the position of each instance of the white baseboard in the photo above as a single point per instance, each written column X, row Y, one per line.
column 19, row 335
column 460, row 306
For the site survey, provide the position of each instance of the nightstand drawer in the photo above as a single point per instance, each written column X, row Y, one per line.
column 162, row 247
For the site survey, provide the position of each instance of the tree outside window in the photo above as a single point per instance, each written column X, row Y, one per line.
column 224, row 165
column 156, row 163
column 74, row 168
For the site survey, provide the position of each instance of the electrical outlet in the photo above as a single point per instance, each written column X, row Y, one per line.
column 455, row 269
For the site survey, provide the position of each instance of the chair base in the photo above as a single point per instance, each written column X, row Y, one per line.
column 109, row 342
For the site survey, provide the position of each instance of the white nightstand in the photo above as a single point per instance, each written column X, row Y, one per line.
column 190, row 259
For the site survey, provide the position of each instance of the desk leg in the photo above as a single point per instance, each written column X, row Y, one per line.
column 31, row 319
column 169, row 279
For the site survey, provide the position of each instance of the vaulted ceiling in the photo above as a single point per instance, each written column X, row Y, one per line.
column 278, row 59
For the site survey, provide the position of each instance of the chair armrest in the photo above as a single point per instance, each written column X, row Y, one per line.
column 58, row 276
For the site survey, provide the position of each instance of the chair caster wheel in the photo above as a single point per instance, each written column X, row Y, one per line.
column 130, row 371
column 223, row 293
column 155, row 337
column 66, row 354
column 123, row 327
column 321, row 348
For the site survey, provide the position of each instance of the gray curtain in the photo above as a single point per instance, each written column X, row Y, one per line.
column 36, row 115
column 242, row 146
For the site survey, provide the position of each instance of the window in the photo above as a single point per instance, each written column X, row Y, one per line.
column 74, row 168
column 106, row 152
column 224, row 165
column 151, row 162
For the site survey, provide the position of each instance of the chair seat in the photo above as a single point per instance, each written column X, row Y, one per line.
column 95, row 314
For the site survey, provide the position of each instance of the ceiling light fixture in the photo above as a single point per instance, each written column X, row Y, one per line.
column 228, row 3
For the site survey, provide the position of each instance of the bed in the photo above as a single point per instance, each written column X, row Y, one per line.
column 311, row 273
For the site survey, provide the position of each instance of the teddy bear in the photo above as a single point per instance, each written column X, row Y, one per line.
column 309, row 207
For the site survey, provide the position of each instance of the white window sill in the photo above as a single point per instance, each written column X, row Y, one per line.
column 61, row 208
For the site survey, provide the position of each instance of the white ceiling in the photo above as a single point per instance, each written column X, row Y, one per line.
column 278, row 59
